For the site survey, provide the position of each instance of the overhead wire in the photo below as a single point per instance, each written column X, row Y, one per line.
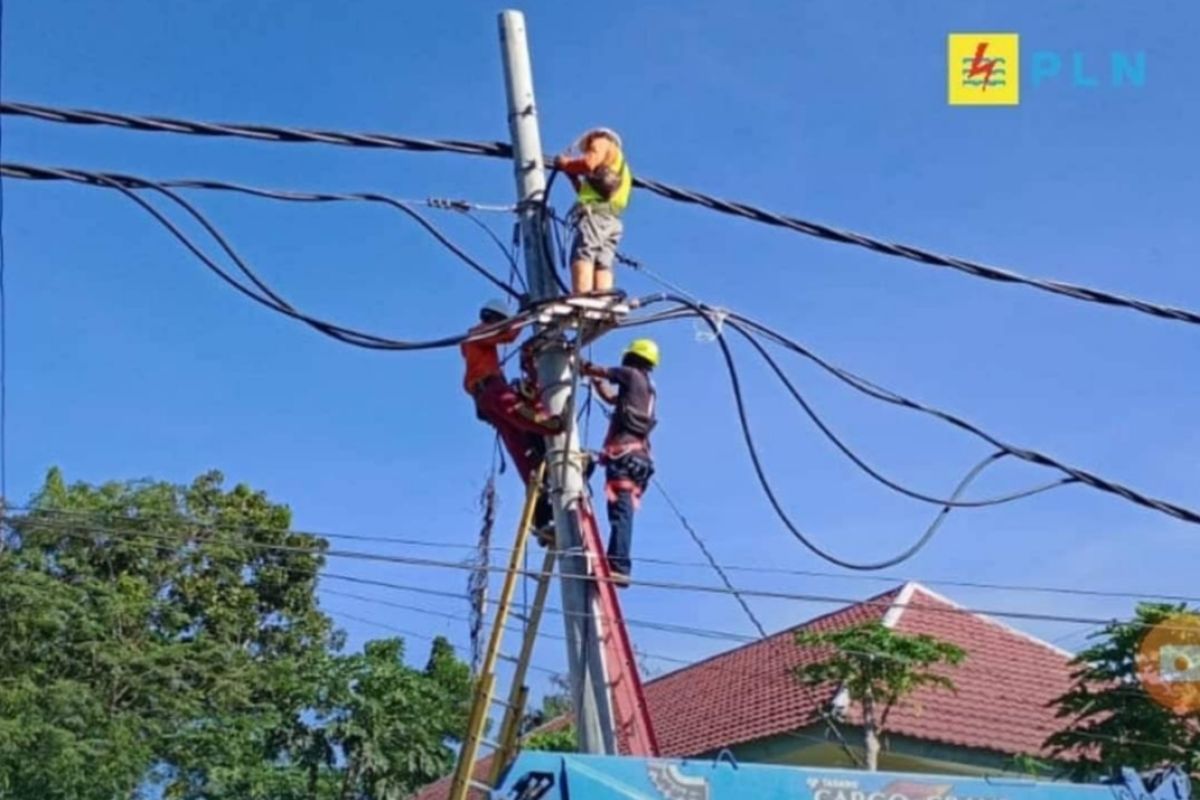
column 167, row 543
column 367, row 340
column 462, row 651
column 650, row 584
column 679, row 194
column 768, row 489
column 683, row 521
column 1078, row 475
column 1007, row 277
column 822, row 713
column 272, row 300
column 754, row 569
column 692, row 630
column 91, row 178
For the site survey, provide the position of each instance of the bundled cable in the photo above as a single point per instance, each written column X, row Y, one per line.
column 746, row 327
column 260, row 292
column 676, row 193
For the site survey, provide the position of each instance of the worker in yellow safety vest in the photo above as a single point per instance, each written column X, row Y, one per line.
column 602, row 182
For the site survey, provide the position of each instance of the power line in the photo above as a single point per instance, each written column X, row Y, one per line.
column 773, row 499
column 668, row 191
column 754, row 569
column 662, row 585
column 462, row 651
column 167, row 543
column 272, row 300
column 689, row 630
column 712, row 634
column 115, row 180
column 683, row 521
column 275, row 302
column 1032, row 456
column 262, row 133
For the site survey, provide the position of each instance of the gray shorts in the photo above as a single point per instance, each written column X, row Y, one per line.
column 597, row 233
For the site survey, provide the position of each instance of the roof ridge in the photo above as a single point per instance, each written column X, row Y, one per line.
column 870, row 602
column 941, row 598
column 892, row 617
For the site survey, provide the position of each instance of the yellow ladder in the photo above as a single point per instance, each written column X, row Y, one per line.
column 504, row 748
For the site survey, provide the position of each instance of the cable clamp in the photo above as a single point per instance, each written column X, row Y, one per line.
column 446, row 204
column 706, row 332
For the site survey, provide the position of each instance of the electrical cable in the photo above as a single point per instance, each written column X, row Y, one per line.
column 675, row 193
column 1075, row 474
column 773, row 499
column 710, row 557
column 164, row 543
column 871, row 471
column 661, row 585
column 683, row 629
column 273, row 301
column 89, row 178
column 1032, row 456
column 747, row 568
column 276, row 303
column 462, row 651
column 514, row 271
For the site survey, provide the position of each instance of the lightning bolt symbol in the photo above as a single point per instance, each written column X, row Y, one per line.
column 982, row 66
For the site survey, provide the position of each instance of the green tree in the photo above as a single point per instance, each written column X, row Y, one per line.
column 559, row 740
column 878, row 668
column 1110, row 719
column 556, row 706
column 167, row 639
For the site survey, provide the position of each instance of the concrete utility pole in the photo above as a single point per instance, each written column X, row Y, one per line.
column 594, row 718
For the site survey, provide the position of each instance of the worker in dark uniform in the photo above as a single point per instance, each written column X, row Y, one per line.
column 519, row 418
column 628, row 466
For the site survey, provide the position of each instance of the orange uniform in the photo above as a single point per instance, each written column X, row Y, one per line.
column 482, row 357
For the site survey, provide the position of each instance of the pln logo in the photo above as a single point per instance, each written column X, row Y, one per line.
column 984, row 69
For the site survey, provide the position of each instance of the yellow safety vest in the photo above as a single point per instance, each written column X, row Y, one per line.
column 620, row 198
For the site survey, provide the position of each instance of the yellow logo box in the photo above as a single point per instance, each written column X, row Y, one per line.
column 984, row 69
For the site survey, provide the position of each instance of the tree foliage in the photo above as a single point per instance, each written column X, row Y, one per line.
column 1111, row 721
column 166, row 640
column 878, row 668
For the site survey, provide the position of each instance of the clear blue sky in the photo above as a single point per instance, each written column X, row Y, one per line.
column 127, row 359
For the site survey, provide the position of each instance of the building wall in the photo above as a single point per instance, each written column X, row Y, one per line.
column 814, row 747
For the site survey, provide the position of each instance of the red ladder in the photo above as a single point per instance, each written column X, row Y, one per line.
column 635, row 733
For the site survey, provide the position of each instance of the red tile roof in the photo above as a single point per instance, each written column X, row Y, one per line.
column 747, row 693
column 1004, row 685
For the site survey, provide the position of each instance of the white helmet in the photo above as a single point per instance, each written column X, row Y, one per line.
column 608, row 133
column 494, row 306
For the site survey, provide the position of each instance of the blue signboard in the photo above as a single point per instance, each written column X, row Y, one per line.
column 554, row 776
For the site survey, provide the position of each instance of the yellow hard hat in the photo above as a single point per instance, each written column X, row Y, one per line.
column 645, row 349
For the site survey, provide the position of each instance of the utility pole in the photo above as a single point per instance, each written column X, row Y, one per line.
column 592, row 705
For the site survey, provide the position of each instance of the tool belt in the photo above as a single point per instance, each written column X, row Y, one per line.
column 481, row 384
column 629, row 471
column 477, row 390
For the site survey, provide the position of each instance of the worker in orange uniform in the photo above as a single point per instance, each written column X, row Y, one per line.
column 520, row 421
column 603, row 182
column 628, row 466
